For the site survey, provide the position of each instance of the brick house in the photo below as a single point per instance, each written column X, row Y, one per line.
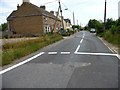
column 31, row 20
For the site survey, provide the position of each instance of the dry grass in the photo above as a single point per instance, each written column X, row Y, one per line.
column 13, row 51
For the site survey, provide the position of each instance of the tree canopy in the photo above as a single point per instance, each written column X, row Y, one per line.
column 3, row 26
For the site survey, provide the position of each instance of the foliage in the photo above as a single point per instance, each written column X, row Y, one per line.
column 95, row 24
column 67, row 32
column 109, row 23
column 13, row 51
column 76, row 26
column 112, row 32
column 92, row 23
column 3, row 26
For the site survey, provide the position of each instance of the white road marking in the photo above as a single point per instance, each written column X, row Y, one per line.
column 21, row 63
column 86, row 64
column 52, row 53
column 65, row 52
column 77, row 49
column 83, row 36
column 118, row 56
column 99, row 54
column 50, row 63
column 108, row 47
column 81, row 40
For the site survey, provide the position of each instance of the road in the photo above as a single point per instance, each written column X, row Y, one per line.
column 81, row 61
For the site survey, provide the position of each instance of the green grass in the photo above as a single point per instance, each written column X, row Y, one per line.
column 17, row 50
column 112, row 38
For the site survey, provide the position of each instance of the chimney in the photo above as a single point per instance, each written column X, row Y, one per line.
column 56, row 13
column 26, row 1
column 43, row 7
column 52, row 12
column 18, row 6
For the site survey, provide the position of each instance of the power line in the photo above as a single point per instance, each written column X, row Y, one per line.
column 64, row 5
column 70, row 12
column 49, row 2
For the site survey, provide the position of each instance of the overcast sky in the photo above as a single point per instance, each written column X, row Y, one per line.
column 84, row 9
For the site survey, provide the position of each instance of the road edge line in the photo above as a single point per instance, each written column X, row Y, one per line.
column 112, row 50
column 21, row 63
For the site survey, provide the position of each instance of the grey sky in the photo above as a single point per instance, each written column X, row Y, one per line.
column 84, row 9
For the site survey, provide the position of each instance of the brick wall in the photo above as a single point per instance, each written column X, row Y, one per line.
column 27, row 25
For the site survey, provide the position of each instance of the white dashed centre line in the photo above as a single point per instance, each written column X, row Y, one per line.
column 65, row 52
column 52, row 53
column 81, row 40
column 83, row 36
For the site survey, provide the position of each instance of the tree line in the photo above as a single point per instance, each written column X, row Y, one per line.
column 109, row 25
column 110, row 30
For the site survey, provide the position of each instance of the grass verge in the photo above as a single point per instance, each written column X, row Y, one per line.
column 13, row 51
column 112, row 38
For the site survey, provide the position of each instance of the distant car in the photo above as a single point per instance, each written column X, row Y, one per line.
column 92, row 30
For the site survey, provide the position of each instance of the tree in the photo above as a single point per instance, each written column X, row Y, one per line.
column 96, row 24
column 3, row 26
column 91, row 23
column 110, row 22
column 76, row 26
column 118, row 22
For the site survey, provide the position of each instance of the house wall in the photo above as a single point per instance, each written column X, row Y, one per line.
column 27, row 25
column 67, row 25
column 49, row 22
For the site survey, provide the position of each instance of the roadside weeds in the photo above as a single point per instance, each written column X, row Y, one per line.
column 14, row 51
column 112, row 47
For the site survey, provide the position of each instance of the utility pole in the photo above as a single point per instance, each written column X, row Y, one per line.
column 61, row 14
column 56, row 20
column 73, row 18
column 105, row 15
column 77, row 22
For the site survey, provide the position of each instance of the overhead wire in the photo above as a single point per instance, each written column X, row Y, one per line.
column 49, row 2
column 64, row 5
column 66, row 8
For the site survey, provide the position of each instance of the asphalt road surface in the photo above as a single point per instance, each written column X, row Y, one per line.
column 80, row 61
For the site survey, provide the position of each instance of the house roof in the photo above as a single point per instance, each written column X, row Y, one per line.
column 28, row 9
column 67, row 20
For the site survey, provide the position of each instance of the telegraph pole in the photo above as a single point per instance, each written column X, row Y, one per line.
column 105, row 15
column 77, row 22
column 73, row 18
column 56, row 20
column 61, row 14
